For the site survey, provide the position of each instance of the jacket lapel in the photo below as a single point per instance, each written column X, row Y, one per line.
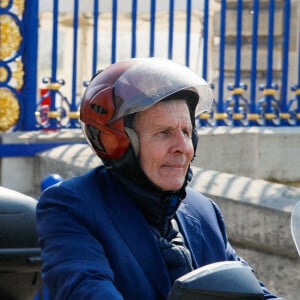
column 140, row 239
column 190, row 228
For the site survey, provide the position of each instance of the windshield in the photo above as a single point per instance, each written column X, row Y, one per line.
column 151, row 80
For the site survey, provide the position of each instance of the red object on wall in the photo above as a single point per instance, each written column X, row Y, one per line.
column 46, row 100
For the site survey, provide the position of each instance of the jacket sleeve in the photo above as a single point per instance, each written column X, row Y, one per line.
column 232, row 255
column 74, row 263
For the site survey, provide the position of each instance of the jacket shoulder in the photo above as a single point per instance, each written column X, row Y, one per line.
column 198, row 202
column 82, row 189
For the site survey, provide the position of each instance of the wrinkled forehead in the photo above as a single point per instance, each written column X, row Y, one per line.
column 164, row 113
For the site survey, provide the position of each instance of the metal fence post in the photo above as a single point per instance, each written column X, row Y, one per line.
column 29, row 57
column 253, row 116
column 220, row 116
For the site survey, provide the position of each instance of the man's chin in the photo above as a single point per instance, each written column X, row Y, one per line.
column 171, row 186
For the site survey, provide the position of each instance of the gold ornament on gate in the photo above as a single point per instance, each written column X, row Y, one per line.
column 9, row 109
column 17, row 6
column 3, row 74
column 10, row 37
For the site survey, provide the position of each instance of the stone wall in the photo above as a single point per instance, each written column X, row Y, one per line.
column 269, row 153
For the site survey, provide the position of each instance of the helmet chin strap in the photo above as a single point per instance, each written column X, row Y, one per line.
column 134, row 140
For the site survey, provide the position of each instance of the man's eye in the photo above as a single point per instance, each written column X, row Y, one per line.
column 164, row 132
column 187, row 133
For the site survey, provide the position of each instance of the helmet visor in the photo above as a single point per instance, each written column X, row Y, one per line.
column 151, row 80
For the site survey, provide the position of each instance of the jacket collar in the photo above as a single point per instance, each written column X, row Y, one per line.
column 157, row 206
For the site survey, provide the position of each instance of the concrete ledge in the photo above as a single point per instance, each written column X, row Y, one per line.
column 67, row 135
column 245, row 189
column 67, row 160
column 270, row 153
column 19, row 172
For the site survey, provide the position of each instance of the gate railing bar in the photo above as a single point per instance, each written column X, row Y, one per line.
column 237, row 89
column 205, row 31
column 295, row 101
column 73, row 106
column 238, row 45
column 95, row 36
column 52, row 114
column 270, row 110
column 253, row 115
column 133, row 29
column 188, row 32
column 270, row 44
column 171, row 29
column 114, row 31
column 285, row 116
column 220, row 116
column 152, row 27
column 203, row 118
column 30, row 57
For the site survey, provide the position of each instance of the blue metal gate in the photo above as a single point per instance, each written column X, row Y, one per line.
column 49, row 101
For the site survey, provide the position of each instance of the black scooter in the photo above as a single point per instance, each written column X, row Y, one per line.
column 20, row 255
column 20, row 260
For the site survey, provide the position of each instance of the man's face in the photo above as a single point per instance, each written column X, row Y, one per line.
column 166, row 149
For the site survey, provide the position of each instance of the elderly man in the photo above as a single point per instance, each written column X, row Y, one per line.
column 130, row 227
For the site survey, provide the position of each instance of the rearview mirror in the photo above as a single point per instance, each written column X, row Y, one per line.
column 221, row 280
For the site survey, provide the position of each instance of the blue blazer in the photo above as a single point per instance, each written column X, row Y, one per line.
column 96, row 243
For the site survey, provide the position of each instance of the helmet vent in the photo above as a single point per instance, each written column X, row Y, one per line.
column 99, row 109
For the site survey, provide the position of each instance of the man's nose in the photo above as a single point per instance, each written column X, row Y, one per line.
column 180, row 142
